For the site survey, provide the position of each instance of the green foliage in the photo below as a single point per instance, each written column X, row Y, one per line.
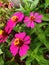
column 1, row 52
column 1, row 61
column 45, row 17
column 46, row 3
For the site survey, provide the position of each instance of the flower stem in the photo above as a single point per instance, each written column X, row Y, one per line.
column 12, row 59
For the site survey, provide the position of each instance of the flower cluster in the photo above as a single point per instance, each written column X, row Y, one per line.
column 21, row 41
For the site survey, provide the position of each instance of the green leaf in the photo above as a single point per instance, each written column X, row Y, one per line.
column 1, row 52
column 1, row 61
column 29, row 60
column 45, row 17
column 40, row 59
column 46, row 31
column 34, row 4
column 12, row 63
column 46, row 3
column 42, row 37
column 22, row 8
column 1, row 25
column 22, row 58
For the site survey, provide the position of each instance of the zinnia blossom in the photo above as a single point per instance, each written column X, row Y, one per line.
column 3, row 36
column 20, row 44
column 17, row 17
column 34, row 17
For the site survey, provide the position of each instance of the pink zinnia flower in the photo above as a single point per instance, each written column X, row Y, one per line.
column 1, row 4
column 3, row 36
column 17, row 17
column 34, row 17
column 20, row 44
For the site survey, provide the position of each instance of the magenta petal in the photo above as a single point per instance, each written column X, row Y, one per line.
column 20, row 15
column 10, row 25
column 36, row 14
column 27, row 42
column 14, row 49
column 32, row 24
column 3, row 38
column 26, row 19
column 1, row 4
column 23, row 50
column 20, row 35
column 32, row 14
column 38, row 20
column 39, row 17
column 27, row 38
column 28, row 24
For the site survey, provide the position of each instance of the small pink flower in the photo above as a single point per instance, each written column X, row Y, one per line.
column 3, row 36
column 20, row 44
column 11, row 5
column 17, row 17
column 1, row 4
column 34, row 17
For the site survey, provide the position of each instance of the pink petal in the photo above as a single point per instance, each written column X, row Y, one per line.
column 14, row 49
column 32, row 14
column 32, row 24
column 26, row 19
column 20, row 15
column 38, row 20
column 3, row 38
column 9, row 26
column 36, row 14
column 1, row 4
column 27, row 38
column 1, row 41
column 21, row 35
column 27, row 42
column 39, row 17
column 28, row 24
column 23, row 50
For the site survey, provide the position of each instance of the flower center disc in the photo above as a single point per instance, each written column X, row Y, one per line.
column 14, row 18
column 18, row 42
column 32, row 17
column 1, row 32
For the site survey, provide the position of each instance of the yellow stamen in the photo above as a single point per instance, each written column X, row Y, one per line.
column 17, row 41
column 32, row 17
column 14, row 18
column 1, row 32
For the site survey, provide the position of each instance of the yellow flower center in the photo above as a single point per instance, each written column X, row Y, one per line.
column 14, row 18
column 1, row 32
column 32, row 17
column 17, row 41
